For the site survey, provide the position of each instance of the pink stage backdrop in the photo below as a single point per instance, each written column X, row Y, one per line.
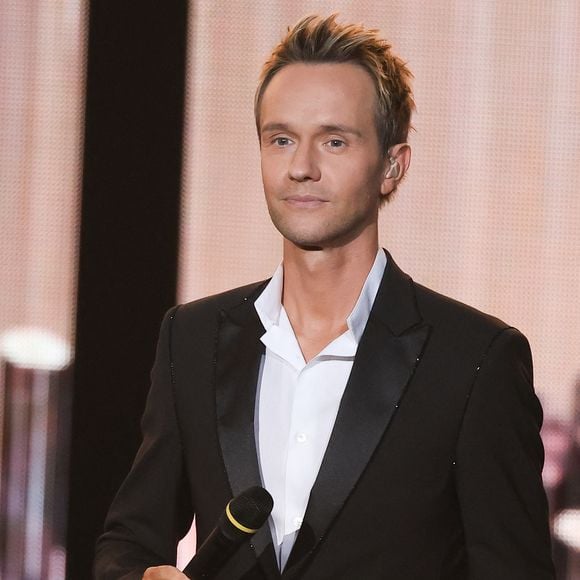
column 490, row 212
column 42, row 61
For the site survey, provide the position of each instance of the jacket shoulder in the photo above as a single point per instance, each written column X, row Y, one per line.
column 443, row 311
column 208, row 307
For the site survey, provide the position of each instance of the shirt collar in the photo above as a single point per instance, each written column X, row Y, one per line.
column 358, row 318
column 269, row 303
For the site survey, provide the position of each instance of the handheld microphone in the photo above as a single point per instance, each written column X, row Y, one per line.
column 243, row 517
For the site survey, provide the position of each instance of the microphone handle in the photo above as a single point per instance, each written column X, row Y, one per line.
column 217, row 549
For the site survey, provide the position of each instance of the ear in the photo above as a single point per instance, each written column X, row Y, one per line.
column 396, row 164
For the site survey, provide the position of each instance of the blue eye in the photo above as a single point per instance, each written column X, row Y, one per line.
column 336, row 143
column 281, row 141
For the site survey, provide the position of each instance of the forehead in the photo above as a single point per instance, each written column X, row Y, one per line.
column 319, row 93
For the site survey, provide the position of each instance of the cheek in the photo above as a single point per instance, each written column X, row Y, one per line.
column 361, row 183
column 355, row 170
column 269, row 186
column 272, row 171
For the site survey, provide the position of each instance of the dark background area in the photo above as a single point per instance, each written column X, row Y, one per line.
column 128, row 244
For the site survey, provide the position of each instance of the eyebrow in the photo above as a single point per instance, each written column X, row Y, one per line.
column 323, row 128
column 341, row 129
column 275, row 127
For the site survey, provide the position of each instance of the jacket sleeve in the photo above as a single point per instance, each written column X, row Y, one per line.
column 152, row 510
column 499, row 468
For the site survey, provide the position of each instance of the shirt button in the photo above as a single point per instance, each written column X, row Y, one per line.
column 301, row 438
column 297, row 522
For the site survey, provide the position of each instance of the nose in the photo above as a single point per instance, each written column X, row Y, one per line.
column 304, row 164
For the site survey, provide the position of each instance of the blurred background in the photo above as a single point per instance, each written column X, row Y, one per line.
column 129, row 181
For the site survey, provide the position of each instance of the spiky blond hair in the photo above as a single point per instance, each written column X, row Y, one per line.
column 315, row 39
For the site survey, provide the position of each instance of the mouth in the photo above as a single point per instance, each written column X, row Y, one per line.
column 305, row 201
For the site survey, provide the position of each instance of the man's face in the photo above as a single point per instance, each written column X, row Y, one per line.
column 322, row 167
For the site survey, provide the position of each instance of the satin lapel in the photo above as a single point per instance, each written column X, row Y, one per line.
column 238, row 356
column 386, row 358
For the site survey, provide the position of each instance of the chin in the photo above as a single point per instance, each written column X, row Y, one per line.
column 304, row 242
column 317, row 242
column 314, row 237
column 308, row 246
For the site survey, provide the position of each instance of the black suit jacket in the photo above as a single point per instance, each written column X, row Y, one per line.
column 433, row 469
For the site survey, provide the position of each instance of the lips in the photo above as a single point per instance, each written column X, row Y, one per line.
column 306, row 200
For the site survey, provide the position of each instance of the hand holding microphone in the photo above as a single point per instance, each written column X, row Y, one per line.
column 163, row 573
column 243, row 517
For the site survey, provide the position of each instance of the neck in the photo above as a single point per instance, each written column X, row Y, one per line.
column 322, row 286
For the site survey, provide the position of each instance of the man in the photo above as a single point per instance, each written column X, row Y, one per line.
column 396, row 429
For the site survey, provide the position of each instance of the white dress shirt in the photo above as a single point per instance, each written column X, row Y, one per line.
column 297, row 402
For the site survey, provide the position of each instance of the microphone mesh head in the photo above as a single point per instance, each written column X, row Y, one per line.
column 252, row 507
